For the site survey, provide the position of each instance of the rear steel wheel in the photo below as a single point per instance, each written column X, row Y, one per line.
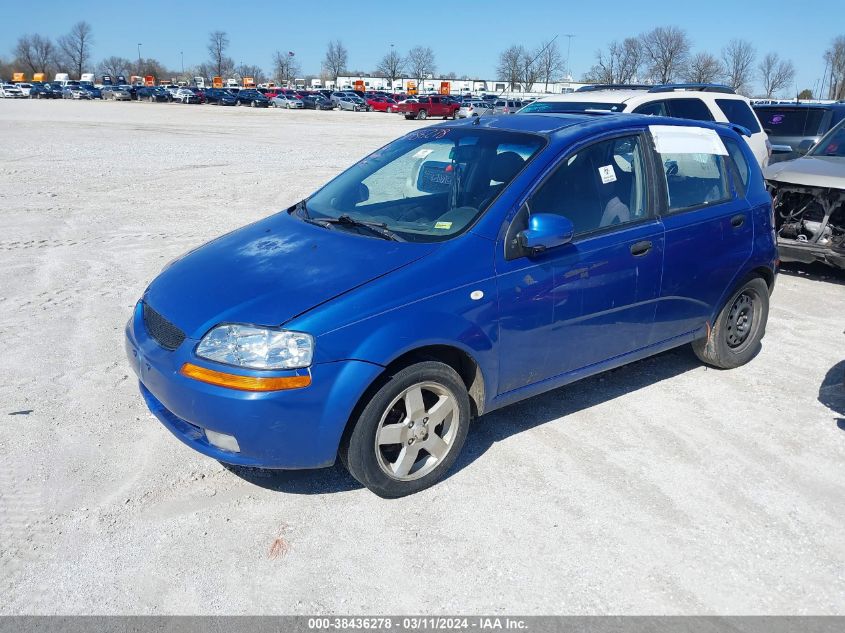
column 737, row 332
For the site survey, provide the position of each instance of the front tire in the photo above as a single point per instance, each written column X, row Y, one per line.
column 408, row 436
column 735, row 337
column 422, row 115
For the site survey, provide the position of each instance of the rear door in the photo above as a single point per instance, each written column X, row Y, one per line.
column 709, row 232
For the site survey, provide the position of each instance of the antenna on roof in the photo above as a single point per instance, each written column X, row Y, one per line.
column 531, row 63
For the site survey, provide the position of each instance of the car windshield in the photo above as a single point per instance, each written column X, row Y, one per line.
column 791, row 121
column 832, row 143
column 429, row 185
column 571, row 106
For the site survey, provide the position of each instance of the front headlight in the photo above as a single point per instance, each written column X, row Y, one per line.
column 256, row 347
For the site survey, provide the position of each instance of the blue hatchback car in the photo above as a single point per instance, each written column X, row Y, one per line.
column 459, row 269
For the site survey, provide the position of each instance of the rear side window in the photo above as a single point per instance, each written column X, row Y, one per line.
column 739, row 164
column 694, row 109
column 792, row 121
column 739, row 112
column 655, row 108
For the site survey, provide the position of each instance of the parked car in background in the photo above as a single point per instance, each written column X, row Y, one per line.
column 45, row 91
column 699, row 102
column 93, row 91
column 252, row 98
column 552, row 248
column 809, row 202
column 350, row 104
column 186, row 95
column 153, row 94
column 506, row 106
column 75, row 91
column 219, row 96
column 426, row 107
column 287, row 102
column 794, row 128
column 116, row 93
column 10, row 91
column 382, row 104
column 24, row 87
column 474, row 108
column 316, row 102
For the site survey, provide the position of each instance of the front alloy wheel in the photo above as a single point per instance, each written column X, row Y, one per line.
column 410, row 432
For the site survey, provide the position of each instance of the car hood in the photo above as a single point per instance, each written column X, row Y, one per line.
column 270, row 272
column 811, row 171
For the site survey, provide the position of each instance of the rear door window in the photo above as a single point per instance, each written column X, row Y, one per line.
column 739, row 112
column 694, row 109
column 694, row 166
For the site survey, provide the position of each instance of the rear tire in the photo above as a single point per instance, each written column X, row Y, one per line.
column 735, row 336
column 409, row 434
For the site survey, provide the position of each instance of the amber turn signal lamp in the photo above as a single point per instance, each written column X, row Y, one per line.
column 244, row 383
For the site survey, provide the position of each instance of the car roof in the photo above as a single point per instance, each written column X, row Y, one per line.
column 565, row 125
column 623, row 96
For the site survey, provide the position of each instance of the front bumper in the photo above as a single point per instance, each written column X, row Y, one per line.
column 299, row 428
column 807, row 253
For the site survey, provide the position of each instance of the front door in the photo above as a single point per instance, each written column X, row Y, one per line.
column 593, row 299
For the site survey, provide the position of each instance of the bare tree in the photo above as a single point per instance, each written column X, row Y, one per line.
column 24, row 54
column 421, row 63
column 530, row 71
column 392, row 65
column 775, row 73
column 620, row 64
column 76, row 47
column 251, row 70
column 221, row 65
column 550, row 63
column 285, row 67
column 510, row 65
column 835, row 58
column 666, row 51
column 703, row 68
column 738, row 60
column 336, row 60
column 150, row 66
column 115, row 66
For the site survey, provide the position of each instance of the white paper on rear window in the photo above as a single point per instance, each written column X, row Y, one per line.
column 672, row 139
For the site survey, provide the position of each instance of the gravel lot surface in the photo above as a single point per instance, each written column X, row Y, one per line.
column 659, row 488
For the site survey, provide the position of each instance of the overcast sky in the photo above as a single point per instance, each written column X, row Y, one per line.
column 466, row 36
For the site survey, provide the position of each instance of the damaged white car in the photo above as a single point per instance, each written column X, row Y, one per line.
column 809, row 202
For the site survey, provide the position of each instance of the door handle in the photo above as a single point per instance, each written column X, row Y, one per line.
column 738, row 220
column 640, row 248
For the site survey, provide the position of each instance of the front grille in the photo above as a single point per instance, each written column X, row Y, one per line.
column 163, row 331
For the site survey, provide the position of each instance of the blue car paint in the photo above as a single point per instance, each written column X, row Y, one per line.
column 380, row 300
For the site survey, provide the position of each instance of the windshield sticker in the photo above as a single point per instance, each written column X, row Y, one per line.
column 423, row 153
column 607, row 174
column 676, row 139
column 428, row 134
column 443, row 225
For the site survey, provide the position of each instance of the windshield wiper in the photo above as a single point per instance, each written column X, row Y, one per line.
column 302, row 211
column 376, row 228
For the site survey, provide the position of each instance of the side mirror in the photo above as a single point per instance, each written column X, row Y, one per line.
column 545, row 231
column 805, row 146
column 363, row 193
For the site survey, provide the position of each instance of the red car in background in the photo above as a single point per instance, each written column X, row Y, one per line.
column 382, row 104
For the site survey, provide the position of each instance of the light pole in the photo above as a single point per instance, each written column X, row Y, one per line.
column 140, row 69
column 568, row 37
column 182, row 56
